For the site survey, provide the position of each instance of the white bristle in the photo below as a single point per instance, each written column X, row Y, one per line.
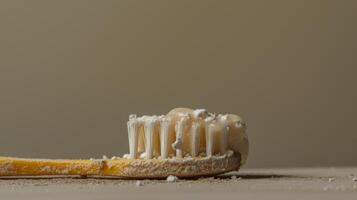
column 195, row 145
column 224, row 139
column 133, row 133
column 164, row 137
column 223, row 133
column 149, row 129
column 180, row 128
column 209, row 139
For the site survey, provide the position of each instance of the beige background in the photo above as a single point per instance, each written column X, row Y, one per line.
column 72, row 71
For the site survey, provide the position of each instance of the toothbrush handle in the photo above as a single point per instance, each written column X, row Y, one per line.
column 121, row 168
column 41, row 167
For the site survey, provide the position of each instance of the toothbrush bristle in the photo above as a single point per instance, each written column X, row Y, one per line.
column 181, row 133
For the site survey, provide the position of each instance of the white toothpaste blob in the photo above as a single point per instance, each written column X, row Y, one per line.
column 184, row 131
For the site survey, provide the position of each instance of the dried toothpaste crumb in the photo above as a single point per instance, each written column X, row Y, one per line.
column 171, row 179
column 139, row 183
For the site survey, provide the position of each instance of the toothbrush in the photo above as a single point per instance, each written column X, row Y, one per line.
column 183, row 143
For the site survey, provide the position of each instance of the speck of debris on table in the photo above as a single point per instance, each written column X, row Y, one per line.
column 171, row 179
column 139, row 183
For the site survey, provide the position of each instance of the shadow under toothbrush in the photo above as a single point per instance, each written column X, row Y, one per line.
column 238, row 175
column 231, row 175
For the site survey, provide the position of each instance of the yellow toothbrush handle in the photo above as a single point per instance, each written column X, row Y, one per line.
column 123, row 168
column 40, row 167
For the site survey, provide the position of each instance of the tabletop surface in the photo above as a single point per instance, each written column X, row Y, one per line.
column 293, row 183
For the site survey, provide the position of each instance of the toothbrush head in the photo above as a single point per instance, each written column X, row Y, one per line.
column 186, row 142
